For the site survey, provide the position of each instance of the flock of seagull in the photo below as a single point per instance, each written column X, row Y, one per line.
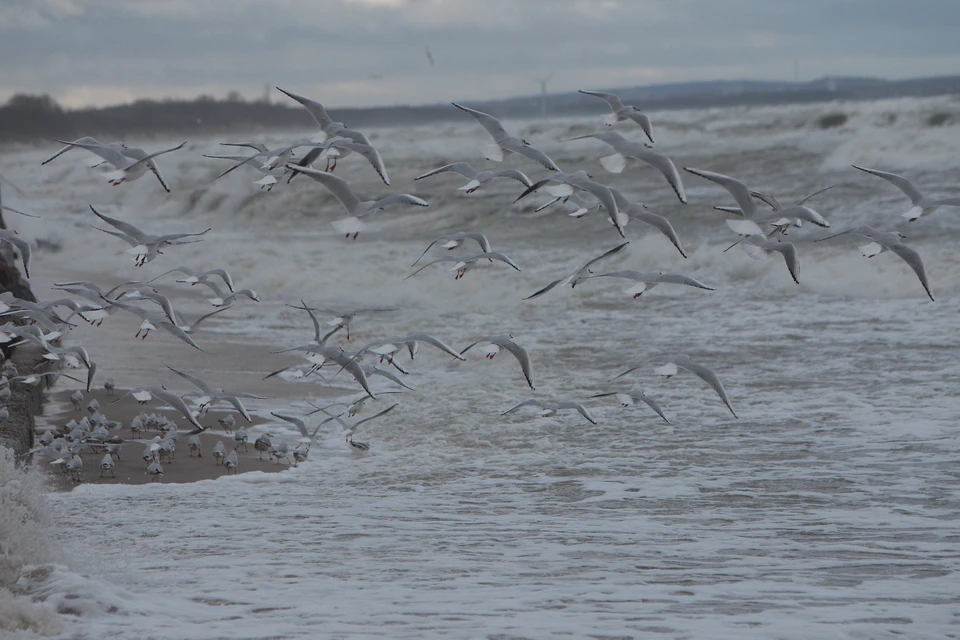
column 760, row 230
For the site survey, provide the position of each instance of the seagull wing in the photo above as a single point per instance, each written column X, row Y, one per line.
column 336, row 185
column 899, row 182
column 660, row 223
column 737, row 189
column 912, row 258
column 491, row 124
column 463, row 168
column 710, row 378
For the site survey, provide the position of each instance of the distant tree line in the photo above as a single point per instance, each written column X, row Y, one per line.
column 28, row 117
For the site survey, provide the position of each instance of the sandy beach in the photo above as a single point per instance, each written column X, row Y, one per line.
column 130, row 468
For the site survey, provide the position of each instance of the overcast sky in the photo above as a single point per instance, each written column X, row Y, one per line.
column 373, row 52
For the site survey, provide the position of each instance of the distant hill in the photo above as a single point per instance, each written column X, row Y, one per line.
column 26, row 118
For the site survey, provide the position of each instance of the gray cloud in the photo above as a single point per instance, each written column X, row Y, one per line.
column 363, row 52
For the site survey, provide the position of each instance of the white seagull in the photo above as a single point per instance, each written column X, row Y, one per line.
column 355, row 207
column 551, row 408
column 144, row 246
column 667, row 366
column 646, row 281
column 626, row 149
column 753, row 217
column 580, row 274
column 621, row 112
column 466, row 263
column 632, row 396
column 477, row 178
column 504, row 143
column 455, row 241
column 921, row 204
column 881, row 241
column 504, row 341
column 129, row 163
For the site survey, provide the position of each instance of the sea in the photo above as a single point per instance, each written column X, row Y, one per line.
column 828, row 509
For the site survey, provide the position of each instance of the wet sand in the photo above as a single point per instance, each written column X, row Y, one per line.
column 131, row 468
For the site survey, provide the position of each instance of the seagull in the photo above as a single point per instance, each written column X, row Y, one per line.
column 566, row 184
column 466, row 263
column 631, row 397
column 151, row 294
column 75, row 466
column 221, row 300
column 495, row 343
column 455, row 241
column 667, row 366
column 921, row 205
column 577, row 205
column 268, row 176
column 477, row 178
column 355, row 207
column 759, row 247
column 351, row 429
column 144, row 247
column 621, row 112
column 11, row 236
column 155, row 471
column 76, row 398
column 579, row 275
column 213, row 396
column 626, row 149
column 504, row 143
column 343, row 319
column 219, row 451
column 227, row 422
column 146, row 394
column 327, row 124
column 336, row 148
column 129, row 163
column 301, row 426
column 750, row 226
column 231, row 461
column 153, row 321
column 639, row 212
column 195, row 277
column 109, row 386
column 386, row 348
column 193, row 444
column 881, row 241
column 262, row 443
column 551, row 408
column 782, row 224
column 107, row 464
column 646, row 281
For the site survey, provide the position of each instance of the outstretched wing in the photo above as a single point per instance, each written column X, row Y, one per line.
column 491, row 124
column 899, row 182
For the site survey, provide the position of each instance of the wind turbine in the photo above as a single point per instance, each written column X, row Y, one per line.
column 543, row 94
